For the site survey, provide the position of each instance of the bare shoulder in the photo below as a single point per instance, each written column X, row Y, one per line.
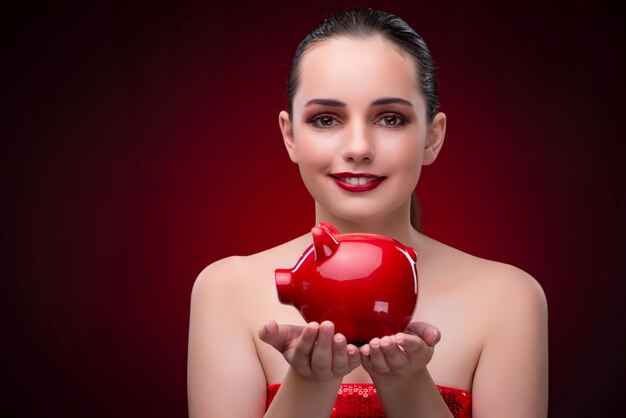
column 497, row 287
column 222, row 273
column 505, row 279
column 236, row 273
column 506, row 287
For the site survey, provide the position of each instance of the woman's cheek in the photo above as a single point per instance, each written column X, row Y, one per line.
column 317, row 153
column 412, row 167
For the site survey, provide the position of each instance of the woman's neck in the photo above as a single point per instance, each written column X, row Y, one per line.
column 396, row 225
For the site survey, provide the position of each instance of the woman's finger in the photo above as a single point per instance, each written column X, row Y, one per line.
column 364, row 352
column 269, row 334
column 354, row 357
column 321, row 358
column 304, row 347
column 395, row 356
column 377, row 358
column 278, row 336
column 412, row 345
column 427, row 332
column 340, row 361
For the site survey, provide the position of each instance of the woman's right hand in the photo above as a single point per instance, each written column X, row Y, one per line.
column 313, row 351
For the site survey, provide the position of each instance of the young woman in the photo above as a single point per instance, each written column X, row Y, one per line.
column 362, row 120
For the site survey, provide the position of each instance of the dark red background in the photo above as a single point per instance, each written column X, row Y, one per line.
column 140, row 144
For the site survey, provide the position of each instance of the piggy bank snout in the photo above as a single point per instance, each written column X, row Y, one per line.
column 284, row 286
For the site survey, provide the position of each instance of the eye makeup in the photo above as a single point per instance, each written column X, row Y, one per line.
column 324, row 121
column 387, row 112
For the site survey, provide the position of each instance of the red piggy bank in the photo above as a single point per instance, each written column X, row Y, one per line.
column 366, row 284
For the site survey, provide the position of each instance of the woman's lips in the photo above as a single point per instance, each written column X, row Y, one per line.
column 357, row 182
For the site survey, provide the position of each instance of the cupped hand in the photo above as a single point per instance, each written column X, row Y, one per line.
column 401, row 355
column 313, row 351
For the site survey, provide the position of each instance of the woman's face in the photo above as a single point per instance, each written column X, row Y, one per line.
column 359, row 130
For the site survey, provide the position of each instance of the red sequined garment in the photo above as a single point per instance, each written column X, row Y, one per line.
column 361, row 400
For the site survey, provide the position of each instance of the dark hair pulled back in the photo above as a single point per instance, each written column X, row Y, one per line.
column 363, row 23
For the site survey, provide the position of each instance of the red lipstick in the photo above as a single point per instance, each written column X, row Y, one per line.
column 357, row 182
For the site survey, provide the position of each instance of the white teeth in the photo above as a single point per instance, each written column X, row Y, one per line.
column 357, row 181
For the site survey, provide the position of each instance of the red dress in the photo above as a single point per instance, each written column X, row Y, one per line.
column 361, row 400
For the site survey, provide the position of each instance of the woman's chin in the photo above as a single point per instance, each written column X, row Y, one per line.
column 357, row 217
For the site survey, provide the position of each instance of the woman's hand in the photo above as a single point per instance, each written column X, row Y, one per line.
column 313, row 351
column 402, row 355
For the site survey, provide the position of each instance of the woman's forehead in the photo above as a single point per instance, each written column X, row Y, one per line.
column 349, row 69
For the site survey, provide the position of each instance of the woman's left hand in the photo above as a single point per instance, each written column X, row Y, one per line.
column 402, row 355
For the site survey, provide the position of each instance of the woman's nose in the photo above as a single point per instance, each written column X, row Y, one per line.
column 358, row 144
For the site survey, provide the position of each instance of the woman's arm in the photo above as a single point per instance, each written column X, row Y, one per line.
column 511, row 378
column 224, row 375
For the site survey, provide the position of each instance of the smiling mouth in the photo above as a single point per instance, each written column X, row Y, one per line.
column 357, row 182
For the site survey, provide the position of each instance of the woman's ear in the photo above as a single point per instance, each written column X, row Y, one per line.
column 434, row 140
column 286, row 127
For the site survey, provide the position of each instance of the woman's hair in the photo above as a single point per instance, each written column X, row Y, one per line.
column 363, row 23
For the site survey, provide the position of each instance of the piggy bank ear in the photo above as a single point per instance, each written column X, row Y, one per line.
column 324, row 243
column 328, row 227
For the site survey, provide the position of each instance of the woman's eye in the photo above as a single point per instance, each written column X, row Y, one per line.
column 390, row 120
column 324, row 121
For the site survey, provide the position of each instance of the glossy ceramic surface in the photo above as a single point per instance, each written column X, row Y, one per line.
column 366, row 284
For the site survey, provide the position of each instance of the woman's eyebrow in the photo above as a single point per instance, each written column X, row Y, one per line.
column 325, row 102
column 377, row 102
column 391, row 100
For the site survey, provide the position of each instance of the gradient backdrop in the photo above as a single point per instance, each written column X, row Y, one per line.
column 140, row 143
